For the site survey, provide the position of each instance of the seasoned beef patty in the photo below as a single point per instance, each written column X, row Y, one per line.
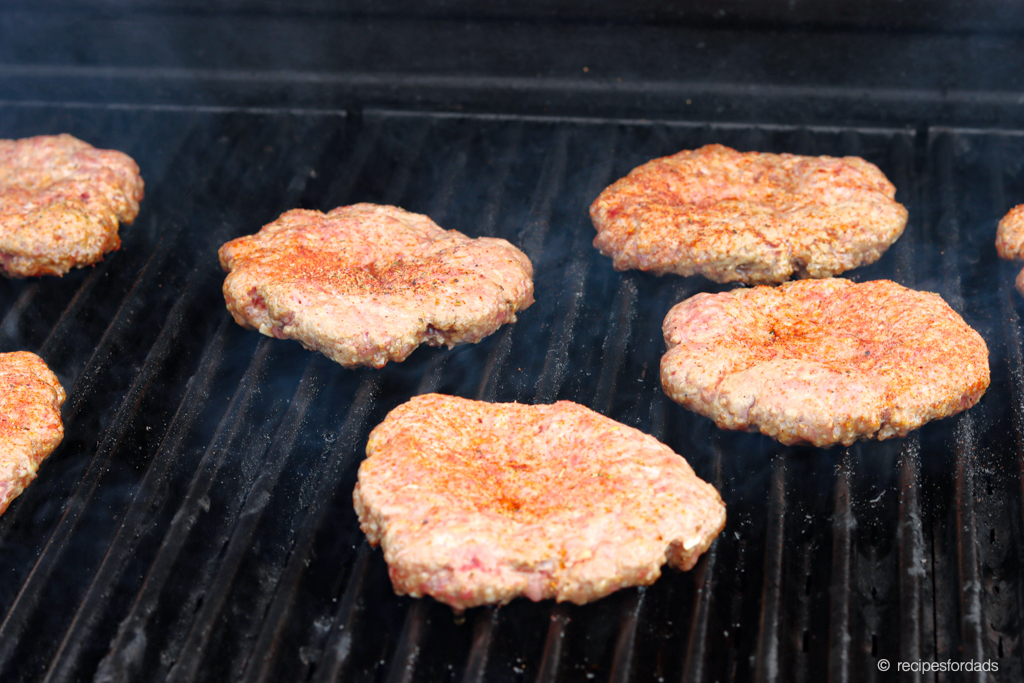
column 748, row 217
column 1010, row 239
column 366, row 284
column 60, row 203
column 477, row 503
column 30, row 424
column 823, row 361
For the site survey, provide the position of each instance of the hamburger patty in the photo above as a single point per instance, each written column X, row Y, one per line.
column 30, row 424
column 748, row 217
column 1010, row 239
column 366, row 284
column 824, row 361
column 60, row 203
column 477, row 503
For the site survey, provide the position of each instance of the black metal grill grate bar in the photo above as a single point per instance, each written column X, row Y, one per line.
column 697, row 651
column 410, row 644
column 335, row 656
column 912, row 558
column 625, row 644
column 483, row 636
column 767, row 666
column 840, row 590
column 554, row 645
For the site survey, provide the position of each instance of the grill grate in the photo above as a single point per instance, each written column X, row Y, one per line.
column 196, row 523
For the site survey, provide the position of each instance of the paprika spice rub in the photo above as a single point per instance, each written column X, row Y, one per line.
column 822, row 361
column 30, row 422
column 367, row 284
column 748, row 217
column 61, row 201
column 477, row 503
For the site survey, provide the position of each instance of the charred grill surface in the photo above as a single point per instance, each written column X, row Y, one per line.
column 196, row 523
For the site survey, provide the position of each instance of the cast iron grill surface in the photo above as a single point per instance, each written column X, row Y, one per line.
column 196, row 523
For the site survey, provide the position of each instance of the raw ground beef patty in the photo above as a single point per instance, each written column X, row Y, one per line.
column 823, row 361
column 367, row 284
column 748, row 217
column 30, row 424
column 60, row 203
column 476, row 503
column 1010, row 239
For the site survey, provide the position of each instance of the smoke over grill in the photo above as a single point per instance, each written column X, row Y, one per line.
column 196, row 524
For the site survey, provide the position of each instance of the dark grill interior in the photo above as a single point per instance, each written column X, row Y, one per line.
column 196, row 523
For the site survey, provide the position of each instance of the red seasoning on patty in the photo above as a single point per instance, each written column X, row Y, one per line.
column 30, row 424
column 823, row 361
column 477, row 503
column 367, row 284
column 60, row 203
column 748, row 217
